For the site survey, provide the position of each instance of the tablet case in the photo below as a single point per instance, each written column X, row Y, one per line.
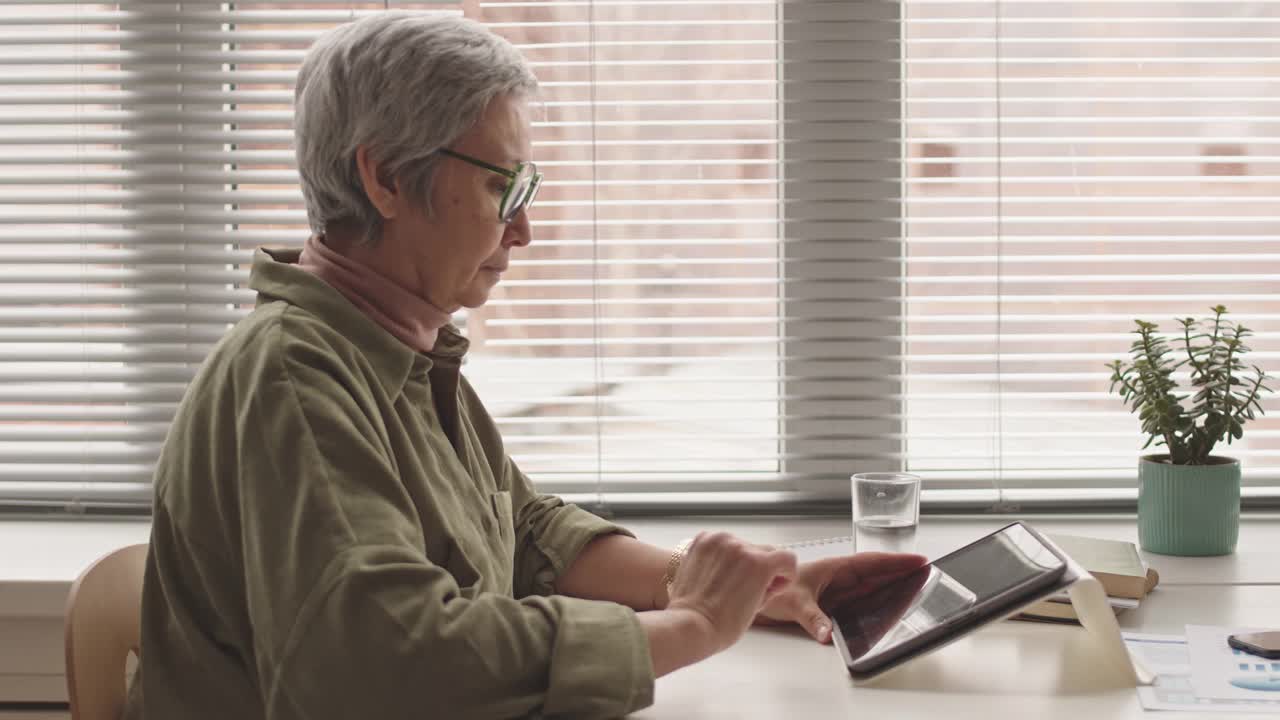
column 1090, row 601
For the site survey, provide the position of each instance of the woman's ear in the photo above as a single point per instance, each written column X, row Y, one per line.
column 378, row 187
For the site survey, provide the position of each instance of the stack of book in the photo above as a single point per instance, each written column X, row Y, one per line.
column 1115, row 563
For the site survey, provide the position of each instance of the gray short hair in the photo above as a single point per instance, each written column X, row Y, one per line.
column 405, row 85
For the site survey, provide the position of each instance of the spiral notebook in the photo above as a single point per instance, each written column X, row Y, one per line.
column 810, row 550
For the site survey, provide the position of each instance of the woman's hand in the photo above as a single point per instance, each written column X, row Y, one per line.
column 822, row 585
column 726, row 581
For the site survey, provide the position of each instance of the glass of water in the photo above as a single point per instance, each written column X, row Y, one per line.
column 886, row 511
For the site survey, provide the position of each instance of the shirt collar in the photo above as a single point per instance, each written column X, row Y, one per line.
column 275, row 276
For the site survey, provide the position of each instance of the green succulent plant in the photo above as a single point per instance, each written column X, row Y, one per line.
column 1226, row 393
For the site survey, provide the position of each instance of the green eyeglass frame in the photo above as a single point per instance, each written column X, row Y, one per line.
column 522, row 184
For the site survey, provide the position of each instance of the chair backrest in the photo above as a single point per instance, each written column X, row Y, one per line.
column 102, row 626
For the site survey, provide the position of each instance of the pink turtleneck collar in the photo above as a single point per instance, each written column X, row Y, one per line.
column 410, row 318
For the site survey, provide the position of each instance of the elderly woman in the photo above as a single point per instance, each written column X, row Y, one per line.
column 338, row 531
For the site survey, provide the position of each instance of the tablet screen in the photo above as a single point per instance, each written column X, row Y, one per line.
column 883, row 624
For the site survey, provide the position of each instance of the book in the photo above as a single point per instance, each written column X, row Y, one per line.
column 1117, row 566
column 1059, row 609
column 1115, row 563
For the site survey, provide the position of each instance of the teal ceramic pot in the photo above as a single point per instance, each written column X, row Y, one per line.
column 1188, row 509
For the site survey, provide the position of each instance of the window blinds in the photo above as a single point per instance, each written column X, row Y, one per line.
column 841, row 244
column 637, row 349
column 726, row 229
column 632, row 347
column 1073, row 166
column 145, row 153
column 719, row 305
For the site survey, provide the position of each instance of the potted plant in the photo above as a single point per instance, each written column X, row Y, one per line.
column 1189, row 498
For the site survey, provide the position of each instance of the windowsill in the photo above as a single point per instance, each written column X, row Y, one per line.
column 1253, row 562
column 43, row 558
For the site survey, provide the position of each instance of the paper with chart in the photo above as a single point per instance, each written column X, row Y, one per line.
column 1169, row 657
column 1221, row 671
column 1161, row 654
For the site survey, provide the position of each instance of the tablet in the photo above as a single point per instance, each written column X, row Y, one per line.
column 985, row 580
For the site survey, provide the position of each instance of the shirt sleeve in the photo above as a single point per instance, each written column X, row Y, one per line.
column 350, row 618
column 549, row 534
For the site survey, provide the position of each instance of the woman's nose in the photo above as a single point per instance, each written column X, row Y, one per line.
column 519, row 232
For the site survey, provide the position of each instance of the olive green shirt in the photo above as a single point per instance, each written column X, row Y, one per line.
column 338, row 533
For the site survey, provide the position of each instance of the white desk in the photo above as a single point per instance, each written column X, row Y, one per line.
column 1012, row 669
column 770, row 673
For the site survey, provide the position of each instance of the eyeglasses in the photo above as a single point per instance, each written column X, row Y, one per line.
column 522, row 184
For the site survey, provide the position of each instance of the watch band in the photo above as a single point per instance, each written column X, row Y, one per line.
column 673, row 562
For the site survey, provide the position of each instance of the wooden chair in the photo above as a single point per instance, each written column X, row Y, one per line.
column 102, row 626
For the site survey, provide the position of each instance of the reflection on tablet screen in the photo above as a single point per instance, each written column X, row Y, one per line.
column 876, row 625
